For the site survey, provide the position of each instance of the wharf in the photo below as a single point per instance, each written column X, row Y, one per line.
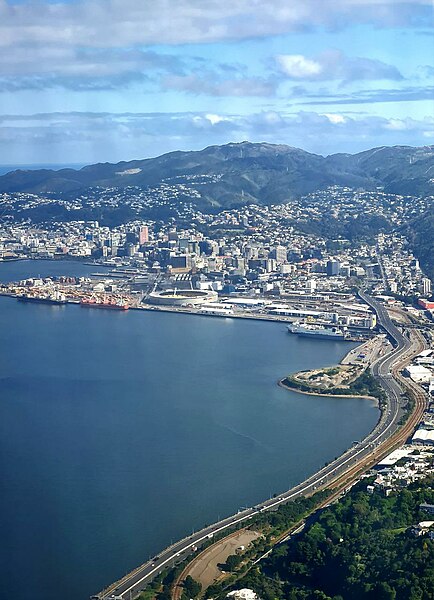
column 134, row 305
column 366, row 353
column 238, row 315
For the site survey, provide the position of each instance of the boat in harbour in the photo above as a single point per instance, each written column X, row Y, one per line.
column 317, row 331
column 108, row 304
column 57, row 299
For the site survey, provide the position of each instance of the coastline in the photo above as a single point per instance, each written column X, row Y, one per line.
column 197, row 313
column 369, row 348
column 184, row 312
column 281, row 383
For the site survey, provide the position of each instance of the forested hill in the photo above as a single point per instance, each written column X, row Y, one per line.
column 361, row 548
column 242, row 173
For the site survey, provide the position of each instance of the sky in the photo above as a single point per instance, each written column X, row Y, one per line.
column 85, row 81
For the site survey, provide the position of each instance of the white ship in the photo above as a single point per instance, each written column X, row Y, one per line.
column 317, row 331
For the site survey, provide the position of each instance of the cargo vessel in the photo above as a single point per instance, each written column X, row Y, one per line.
column 317, row 331
column 53, row 299
column 108, row 304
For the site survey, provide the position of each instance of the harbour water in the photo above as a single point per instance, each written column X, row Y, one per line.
column 120, row 432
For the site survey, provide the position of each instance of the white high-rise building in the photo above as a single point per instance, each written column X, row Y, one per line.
column 311, row 286
column 426, row 286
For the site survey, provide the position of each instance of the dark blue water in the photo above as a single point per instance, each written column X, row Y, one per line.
column 122, row 431
column 17, row 270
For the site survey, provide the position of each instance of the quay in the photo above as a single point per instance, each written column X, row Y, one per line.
column 135, row 304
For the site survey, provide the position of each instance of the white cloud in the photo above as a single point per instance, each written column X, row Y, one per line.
column 92, row 137
column 102, row 23
column 335, row 119
column 396, row 125
column 298, row 66
column 99, row 44
column 214, row 119
column 334, row 64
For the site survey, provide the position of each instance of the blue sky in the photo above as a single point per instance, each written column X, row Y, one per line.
column 84, row 81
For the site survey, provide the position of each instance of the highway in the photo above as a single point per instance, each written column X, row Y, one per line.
column 339, row 472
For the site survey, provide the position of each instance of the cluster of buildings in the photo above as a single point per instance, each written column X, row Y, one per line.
column 278, row 246
column 271, row 259
column 403, row 467
column 424, row 435
column 399, row 268
column 421, row 370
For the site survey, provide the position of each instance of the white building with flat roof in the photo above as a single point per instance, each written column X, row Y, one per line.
column 418, row 373
column 244, row 594
column 423, row 436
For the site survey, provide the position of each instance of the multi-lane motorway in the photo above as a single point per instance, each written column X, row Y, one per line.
column 338, row 473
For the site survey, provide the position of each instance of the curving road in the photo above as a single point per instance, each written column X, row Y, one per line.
column 339, row 473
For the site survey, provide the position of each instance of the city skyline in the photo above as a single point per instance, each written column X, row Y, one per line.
column 91, row 81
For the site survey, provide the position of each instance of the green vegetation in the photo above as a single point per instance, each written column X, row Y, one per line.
column 363, row 227
column 233, row 562
column 263, row 174
column 364, row 385
column 149, row 594
column 408, row 404
column 357, row 549
column 271, row 524
column 274, row 523
column 192, row 588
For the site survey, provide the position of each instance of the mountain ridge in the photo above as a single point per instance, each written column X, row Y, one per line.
column 244, row 172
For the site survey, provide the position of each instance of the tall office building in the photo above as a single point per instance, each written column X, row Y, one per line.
column 333, row 267
column 143, row 235
column 131, row 237
column 310, row 286
column 279, row 253
column 426, row 286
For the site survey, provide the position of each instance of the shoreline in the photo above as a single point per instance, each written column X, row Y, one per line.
column 183, row 311
column 281, row 383
column 242, row 316
column 345, row 360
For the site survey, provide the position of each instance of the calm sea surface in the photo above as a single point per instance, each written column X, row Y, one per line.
column 120, row 432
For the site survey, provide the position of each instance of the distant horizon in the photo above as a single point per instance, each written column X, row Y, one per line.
column 80, row 165
column 105, row 81
column 8, row 168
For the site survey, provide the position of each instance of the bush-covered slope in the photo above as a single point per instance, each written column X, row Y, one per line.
column 240, row 173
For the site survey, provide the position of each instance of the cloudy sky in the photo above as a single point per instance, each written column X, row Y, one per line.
column 84, row 81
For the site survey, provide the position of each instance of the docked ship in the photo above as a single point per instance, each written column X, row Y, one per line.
column 317, row 331
column 109, row 304
column 51, row 299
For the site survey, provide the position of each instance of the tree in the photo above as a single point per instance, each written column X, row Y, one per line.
column 383, row 591
column 192, row 587
column 232, row 562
